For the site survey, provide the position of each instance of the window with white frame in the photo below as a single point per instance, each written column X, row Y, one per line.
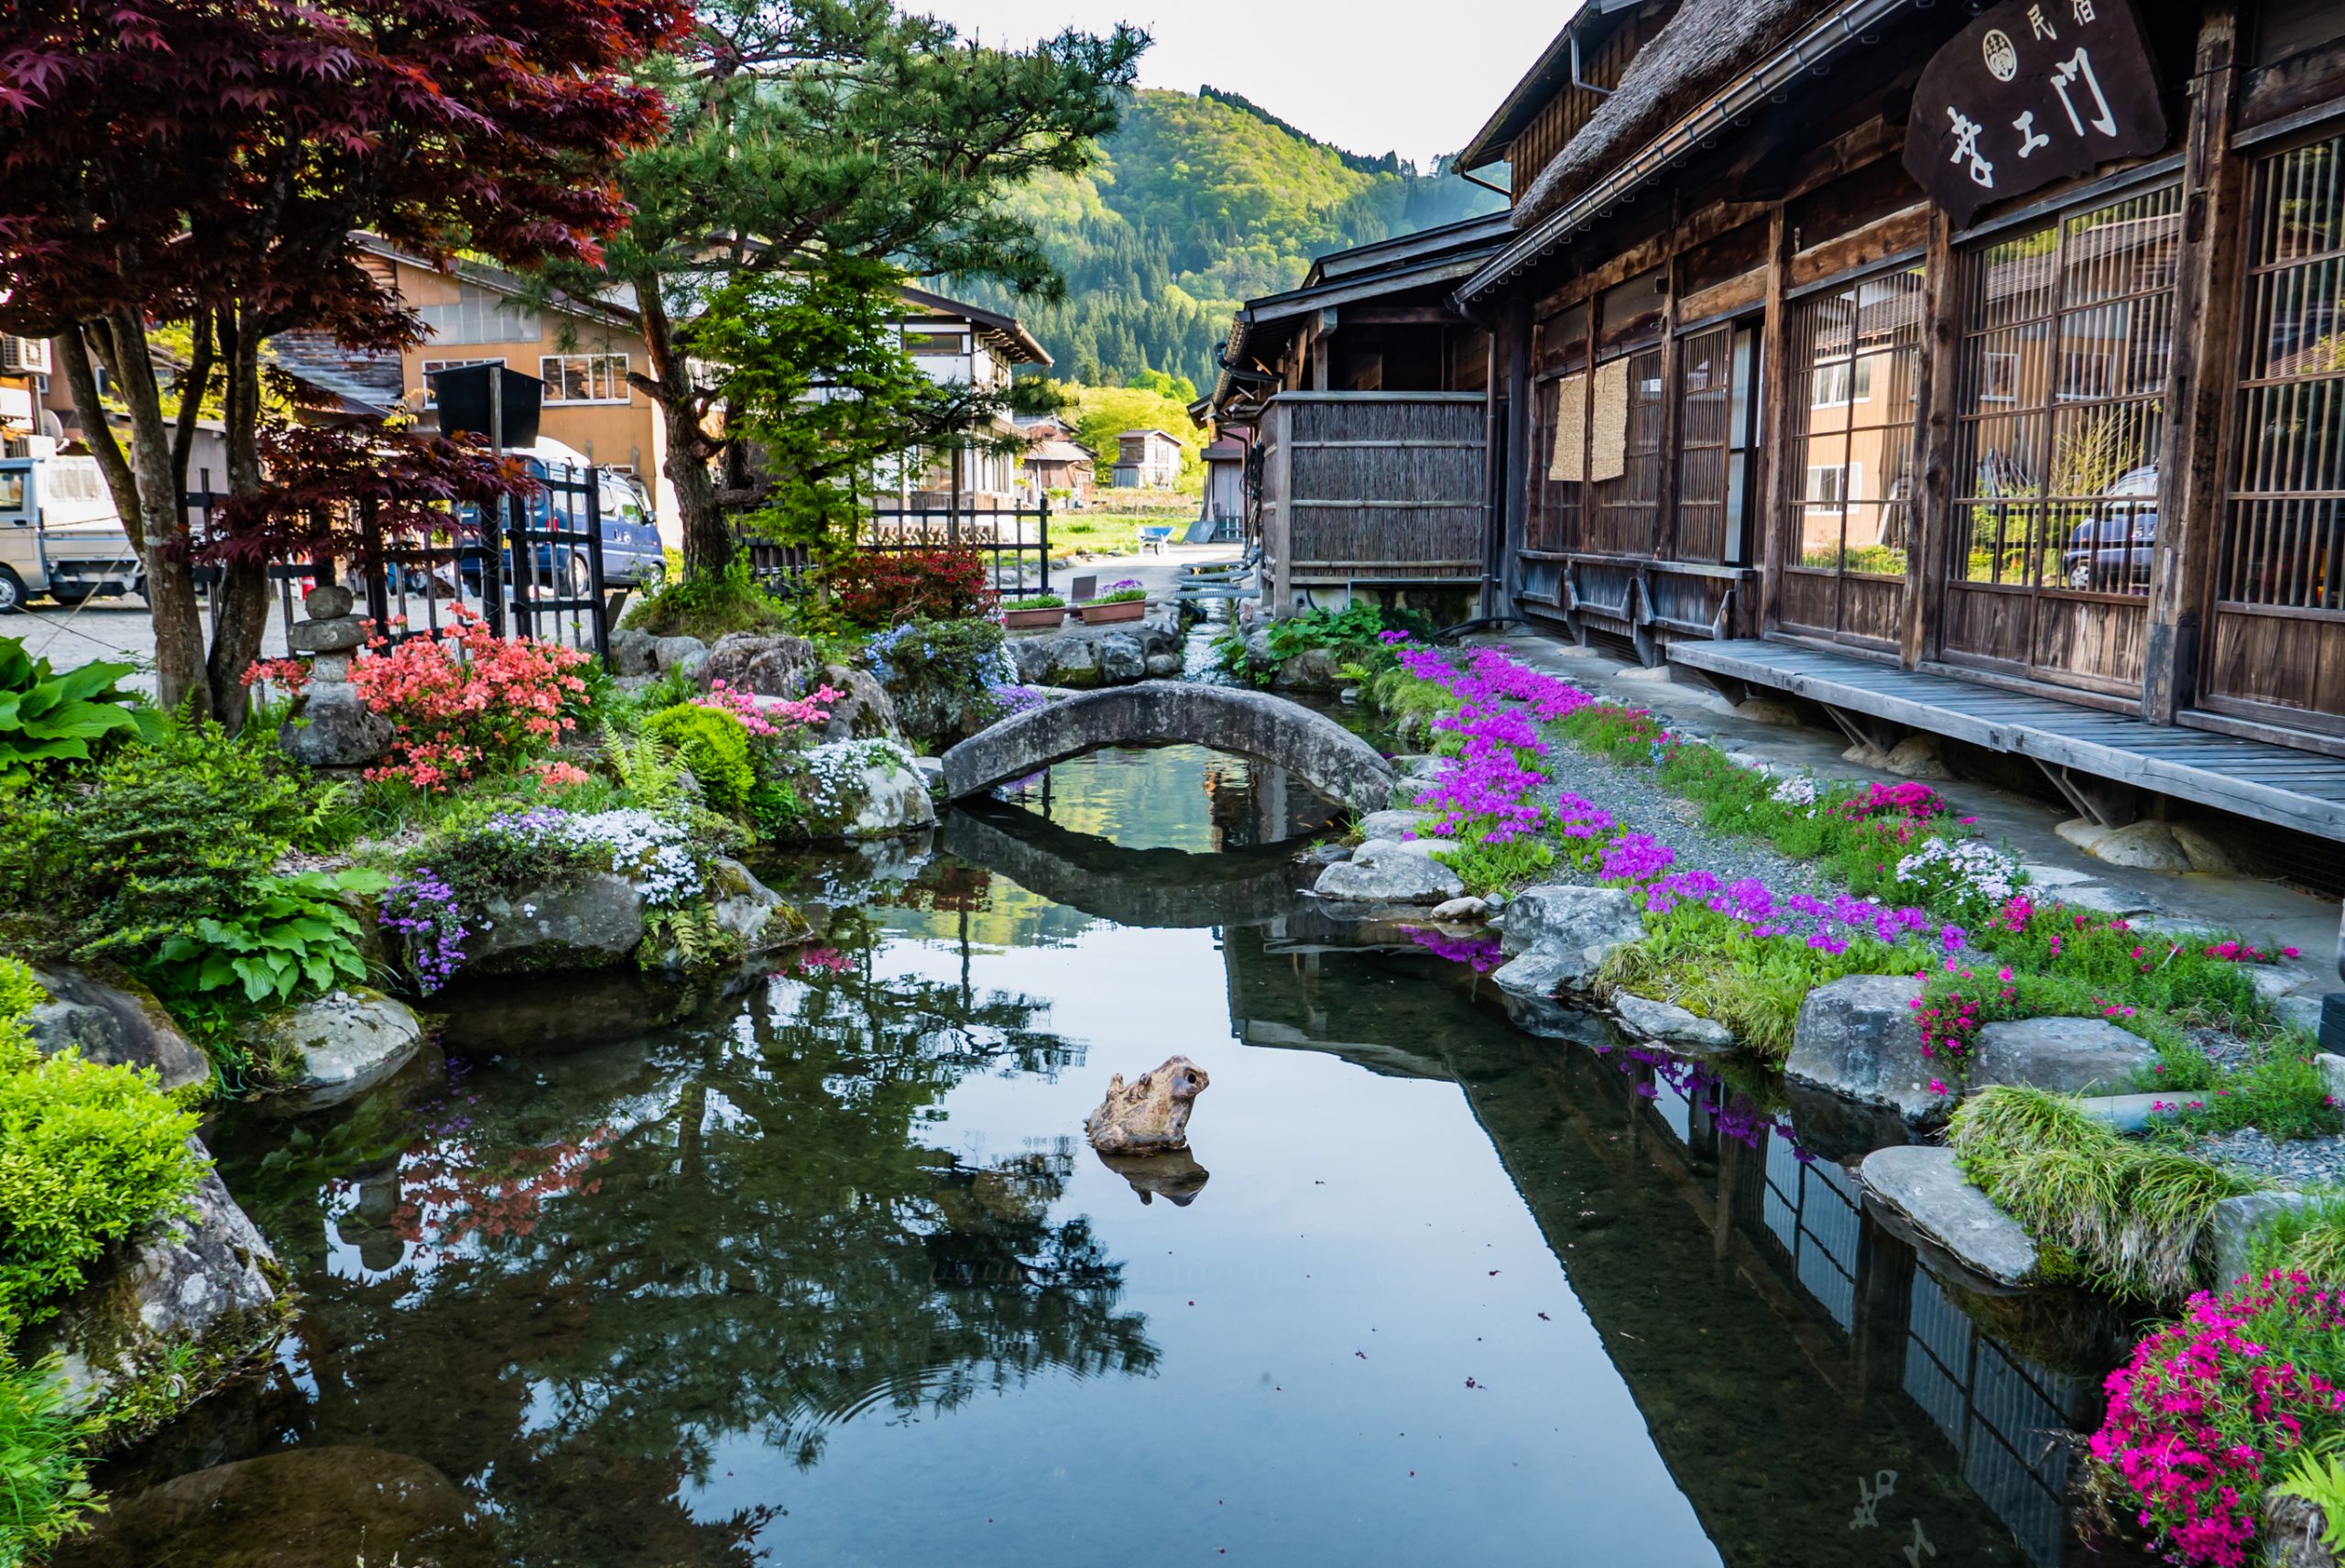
column 584, row 378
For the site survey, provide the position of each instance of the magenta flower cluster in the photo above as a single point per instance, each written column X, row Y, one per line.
column 2199, row 1416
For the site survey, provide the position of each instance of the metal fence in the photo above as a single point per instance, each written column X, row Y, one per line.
column 1015, row 541
column 532, row 568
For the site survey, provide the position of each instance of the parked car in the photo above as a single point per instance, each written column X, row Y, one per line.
column 59, row 534
column 632, row 551
column 2109, row 551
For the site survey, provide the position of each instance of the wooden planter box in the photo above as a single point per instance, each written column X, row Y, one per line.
column 1033, row 620
column 1122, row 610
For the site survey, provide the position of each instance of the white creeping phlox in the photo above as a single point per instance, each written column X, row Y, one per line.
column 1981, row 870
column 1799, row 792
column 653, row 852
column 836, row 772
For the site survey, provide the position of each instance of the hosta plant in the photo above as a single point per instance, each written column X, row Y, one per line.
column 47, row 718
column 294, row 932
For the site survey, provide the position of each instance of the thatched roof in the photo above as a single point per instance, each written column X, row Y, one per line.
column 1700, row 52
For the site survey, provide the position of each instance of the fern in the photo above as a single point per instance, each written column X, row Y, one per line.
column 2317, row 1475
column 648, row 770
column 700, row 940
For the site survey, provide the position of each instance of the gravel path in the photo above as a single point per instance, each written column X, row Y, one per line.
column 2301, row 1162
column 1635, row 796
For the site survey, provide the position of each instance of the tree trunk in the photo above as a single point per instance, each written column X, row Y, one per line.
column 240, row 612
column 152, row 509
column 708, row 540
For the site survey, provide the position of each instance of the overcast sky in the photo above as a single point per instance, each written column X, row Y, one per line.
column 1371, row 76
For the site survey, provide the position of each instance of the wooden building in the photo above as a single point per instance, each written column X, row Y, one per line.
column 1147, row 460
column 1974, row 371
column 1362, row 397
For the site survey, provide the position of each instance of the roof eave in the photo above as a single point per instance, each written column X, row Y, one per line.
column 1842, row 25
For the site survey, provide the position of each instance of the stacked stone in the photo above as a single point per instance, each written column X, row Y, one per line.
column 332, row 727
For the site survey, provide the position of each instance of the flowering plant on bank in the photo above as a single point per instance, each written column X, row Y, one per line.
column 467, row 700
column 653, row 852
column 1960, row 873
column 2200, row 1416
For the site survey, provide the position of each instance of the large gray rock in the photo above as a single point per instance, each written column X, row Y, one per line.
column 206, row 1280
column 754, row 914
column 1121, row 660
column 2293, row 1529
column 1921, row 1183
column 2235, row 1223
column 1858, row 1037
column 340, row 1046
column 1558, row 935
column 684, row 654
column 1391, row 824
column 860, row 789
column 594, row 921
column 1312, row 746
column 1387, row 871
column 2068, row 1056
column 1313, row 670
column 864, row 711
column 2143, row 846
column 114, row 1020
column 770, row 664
column 632, row 652
column 315, row 1506
column 1669, row 1023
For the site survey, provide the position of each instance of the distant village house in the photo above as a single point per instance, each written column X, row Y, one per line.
column 1147, row 460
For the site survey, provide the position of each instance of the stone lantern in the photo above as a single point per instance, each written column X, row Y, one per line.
column 332, row 726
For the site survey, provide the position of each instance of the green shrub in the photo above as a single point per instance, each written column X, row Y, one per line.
column 165, row 835
column 1497, row 867
column 708, row 606
column 43, row 1484
column 2135, row 1216
column 47, row 718
column 19, row 994
column 1036, row 602
column 714, row 746
column 88, row 1153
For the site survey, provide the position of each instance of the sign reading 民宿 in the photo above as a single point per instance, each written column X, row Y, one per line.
column 2032, row 92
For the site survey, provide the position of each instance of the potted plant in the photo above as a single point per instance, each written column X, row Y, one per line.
column 1125, row 600
column 1034, row 610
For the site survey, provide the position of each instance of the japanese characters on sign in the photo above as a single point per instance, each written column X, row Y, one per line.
column 2032, row 92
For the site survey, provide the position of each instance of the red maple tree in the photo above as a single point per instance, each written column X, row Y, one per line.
column 185, row 162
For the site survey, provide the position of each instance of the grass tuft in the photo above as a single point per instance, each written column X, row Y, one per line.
column 2135, row 1216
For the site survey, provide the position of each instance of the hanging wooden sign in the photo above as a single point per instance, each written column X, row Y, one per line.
column 2032, row 92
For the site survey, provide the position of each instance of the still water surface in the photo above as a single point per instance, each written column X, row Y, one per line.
column 825, row 1274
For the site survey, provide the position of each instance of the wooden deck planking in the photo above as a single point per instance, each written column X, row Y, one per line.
column 2271, row 783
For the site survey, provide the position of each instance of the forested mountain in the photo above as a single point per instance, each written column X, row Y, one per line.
column 1195, row 204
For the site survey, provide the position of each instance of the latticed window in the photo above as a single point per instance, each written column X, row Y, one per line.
column 2066, row 332
column 584, row 378
column 1852, row 421
column 2285, row 523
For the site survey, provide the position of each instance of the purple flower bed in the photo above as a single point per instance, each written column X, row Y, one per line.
column 422, row 910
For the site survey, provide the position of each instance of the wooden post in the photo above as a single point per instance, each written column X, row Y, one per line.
column 1664, row 479
column 1278, row 574
column 1518, row 469
column 1931, row 556
column 2199, row 385
column 1771, row 483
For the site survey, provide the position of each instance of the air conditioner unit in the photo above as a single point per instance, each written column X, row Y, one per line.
column 24, row 356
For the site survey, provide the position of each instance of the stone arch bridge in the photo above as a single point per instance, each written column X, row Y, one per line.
column 1309, row 744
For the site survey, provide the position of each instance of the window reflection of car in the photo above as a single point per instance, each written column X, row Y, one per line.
column 2109, row 551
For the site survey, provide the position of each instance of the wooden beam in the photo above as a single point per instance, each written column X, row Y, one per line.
column 1931, row 556
column 2199, row 385
column 1771, row 483
column 1401, row 316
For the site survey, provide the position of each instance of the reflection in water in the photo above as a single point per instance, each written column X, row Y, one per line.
column 1176, row 1176
column 820, row 1274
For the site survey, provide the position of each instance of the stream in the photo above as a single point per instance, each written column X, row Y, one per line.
column 823, row 1273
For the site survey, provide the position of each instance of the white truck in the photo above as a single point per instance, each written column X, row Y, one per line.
column 59, row 534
